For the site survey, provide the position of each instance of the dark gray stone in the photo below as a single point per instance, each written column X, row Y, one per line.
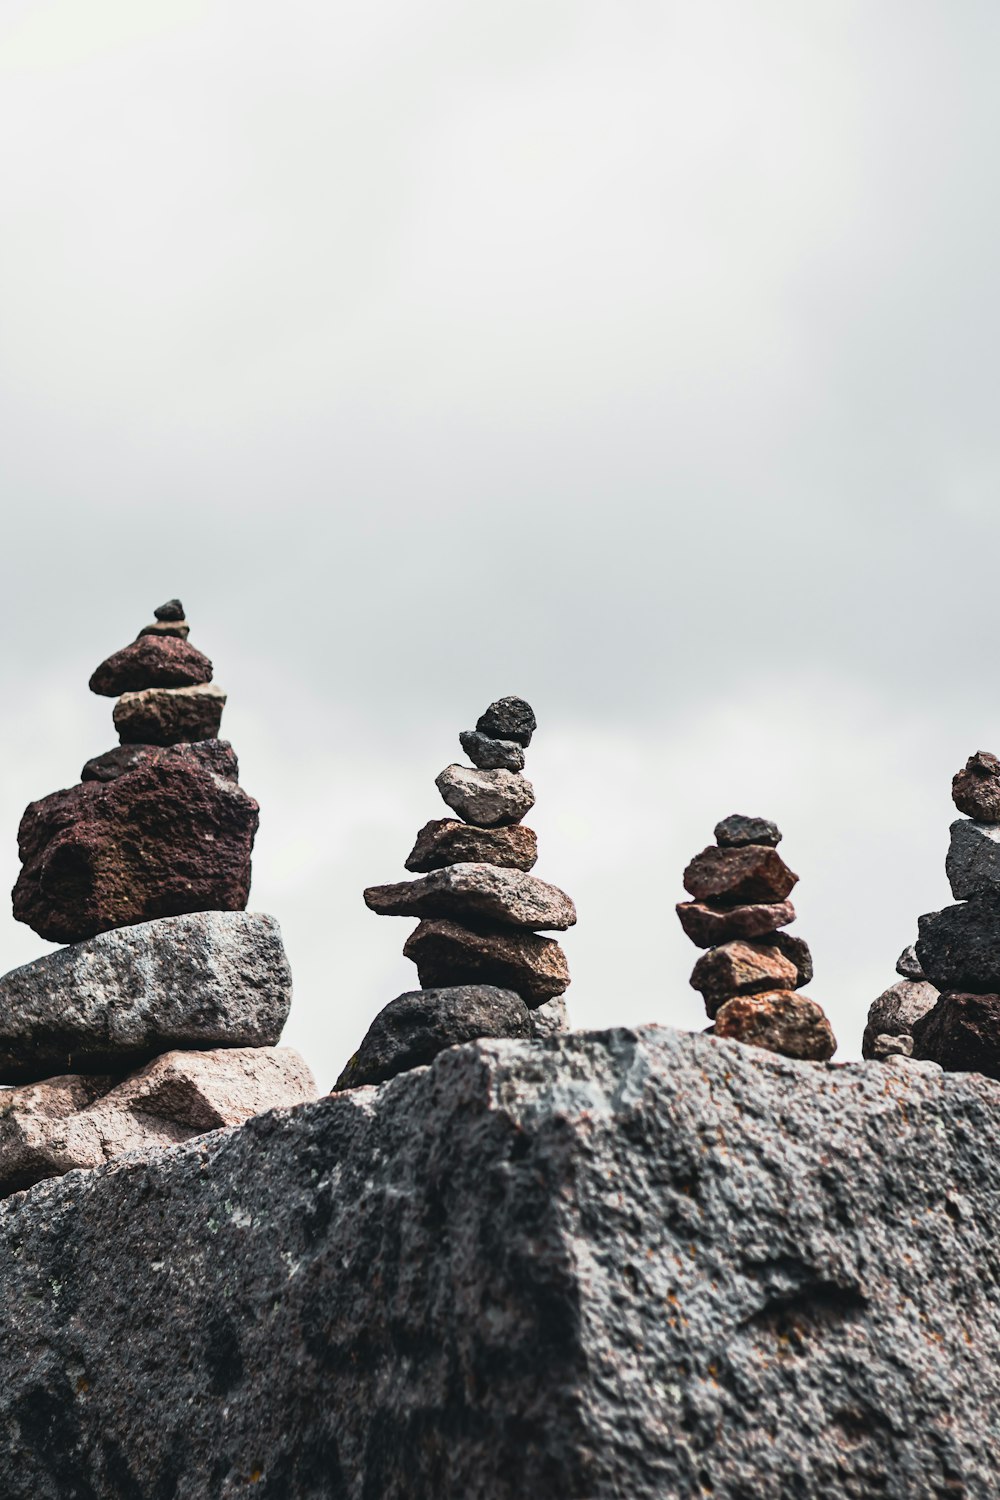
column 452, row 953
column 211, row 979
column 797, row 950
column 411, row 1030
column 489, row 754
column 483, row 893
column 738, row 830
column 908, row 964
column 508, row 719
column 973, row 862
column 961, row 1033
column 170, row 612
column 631, row 1264
column 896, row 1012
column 959, row 947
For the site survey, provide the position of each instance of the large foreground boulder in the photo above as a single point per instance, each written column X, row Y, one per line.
column 634, row 1264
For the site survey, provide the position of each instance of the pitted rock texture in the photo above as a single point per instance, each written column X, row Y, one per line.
column 488, row 799
column 739, row 877
column 172, row 835
column 169, row 716
column 151, row 662
column 485, row 893
column 736, row 831
column 908, row 964
column 411, row 1030
column 975, row 789
column 895, row 1013
column 630, row 1264
column 797, row 951
column 445, row 841
column 961, row 1033
column 489, row 754
column 215, row 755
column 81, row 1121
column 779, row 1021
column 447, row 953
column 740, row 968
column 708, row 925
column 959, row 947
column 509, row 718
column 212, row 979
column 973, row 863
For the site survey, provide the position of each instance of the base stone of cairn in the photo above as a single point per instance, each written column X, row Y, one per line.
column 959, row 948
column 143, row 870
column 484, row 970
column 752, row 971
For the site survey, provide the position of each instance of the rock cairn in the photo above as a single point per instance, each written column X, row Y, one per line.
column 892, row 1017
column 752, row 969
column 959, row 948
column 143, row 870
column 483, row 968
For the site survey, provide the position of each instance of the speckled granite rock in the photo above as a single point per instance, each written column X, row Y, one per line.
column 625, row 1264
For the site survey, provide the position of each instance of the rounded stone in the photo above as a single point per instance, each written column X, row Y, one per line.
column 508, row 718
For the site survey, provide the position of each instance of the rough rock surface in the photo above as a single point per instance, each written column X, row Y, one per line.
column 411, row 1030
column 82, row 1121
column 740, row 968
column 779, row 1021
column 640, row 1265
column 486, row 893
column 217, row 755
column 508, row 718
column 708, row 925
column 152, row 661
column 169, row 716
column 973, row 863
column 489, row 754
column 896, row 1012
column 172, row 611
column 214, row 979
column 173, row 835
column 962, row 1033
column 448, row 954
column 736, row 831
column 975, row 790
column 738, row 877
column 445, row 841
column 489, row 799
column 885, row 1045
column 959, row 947
column 908, row 964
column 797, row 951
column 551, row 1018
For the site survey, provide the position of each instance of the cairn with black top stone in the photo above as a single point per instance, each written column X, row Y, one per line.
column 752, row 970
column 484, row 969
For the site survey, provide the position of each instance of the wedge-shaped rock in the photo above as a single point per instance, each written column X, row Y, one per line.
column 736, row 877
column 172, row 835
column 962, row 1033
column 448, row 954
column 489, row 754
column 896, row 1011
column 169, row 716
column 214, row 979
column 779, row 1021
column 412, row 1029
column 908, row 964
column 975, row 789
column 959, row 947
column 80, row 1121
column 486, row 893
column 708, row 925
column 445, row 841
column 739, row 969
column 973, row 863
column 151, row 662
column 489, row 799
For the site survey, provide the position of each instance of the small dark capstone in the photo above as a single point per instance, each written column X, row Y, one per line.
column 508, row 719
column 737, row 831
column 172, row 610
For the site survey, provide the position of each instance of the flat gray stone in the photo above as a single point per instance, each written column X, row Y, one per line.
column 973, row 863
column 896, row 1011
column 489, row 799
column 489, row 754
column 489, row 893
column 621, row 1264
column 411, row 1030
column 209, row 979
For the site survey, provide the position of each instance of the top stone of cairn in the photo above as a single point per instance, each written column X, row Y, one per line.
column 173, row 611
column 738, row 832
column 508, row 718
column 975, row 789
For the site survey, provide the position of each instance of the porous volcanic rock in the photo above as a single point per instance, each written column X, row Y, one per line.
column 959, row 947
column 489, row 754
column 975, row 790
column 778, row 1021
column 489, row 799
column 173, row 835
column 962, row 1033
column 169, row 716
column 736, row 831
column 208, row 979
column 445, row 841
column 896, row 1011
column 411, row 1030
column 627, row 1264
column 797, row 951
column 973, row 863
column 908, row 964
column 708, row 925
column 447, row 954
column 739, row 968
column 217, row 756
column 486, row 893
column 739, row 877
column 151, row 662
column 82, row 1121
column 508, row 718
column 172, row 611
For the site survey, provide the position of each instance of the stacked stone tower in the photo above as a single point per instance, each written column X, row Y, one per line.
column 483, row 968
column 752, row 970
column 143, row 869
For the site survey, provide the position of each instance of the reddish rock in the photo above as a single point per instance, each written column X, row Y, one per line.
column 736, row 877
column 173, row 835
column 975, row 790
column 962, row 1033
column 445, row 841
column 740, row 969
column 480, row 893
column 170, row 716
column 779, row 1021
column 153, row 661
column 708, row 925
column 447, row 954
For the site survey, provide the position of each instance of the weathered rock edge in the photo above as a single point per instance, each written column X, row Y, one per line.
column 625, row 1263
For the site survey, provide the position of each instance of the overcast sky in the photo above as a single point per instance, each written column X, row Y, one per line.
column 633, row 356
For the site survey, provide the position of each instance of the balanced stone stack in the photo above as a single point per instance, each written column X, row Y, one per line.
column 892, row 1017
column 959, row 948
column 753, row 969
column 483, row 968
column 143, row 869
